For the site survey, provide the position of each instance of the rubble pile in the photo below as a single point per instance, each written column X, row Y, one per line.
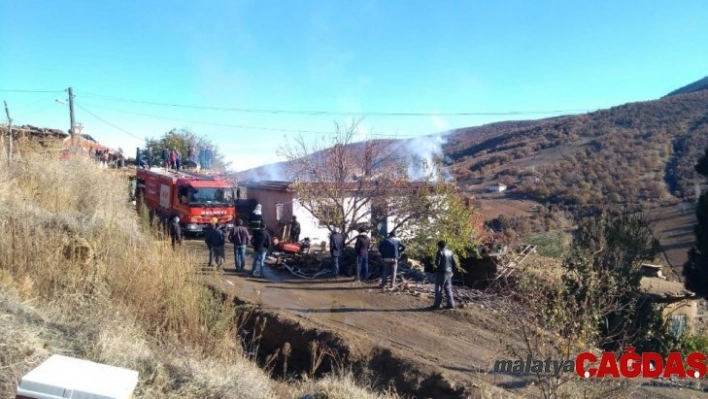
column 464, row 296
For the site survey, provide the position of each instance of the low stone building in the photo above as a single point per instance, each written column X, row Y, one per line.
column 679, row 306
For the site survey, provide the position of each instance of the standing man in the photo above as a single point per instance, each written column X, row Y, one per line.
column 207, row 240
column 165, row 158
column 261, row 243
column 445, row 264
column 239, row 237
column 336, row 250
column 173, row 159
column 217, row 243
column 175, row 232
column 361, row 247
column 202, row 158
column 208, row 157
column 390, row 250
column 255, row 221
column 294, row 230
column 178, row 162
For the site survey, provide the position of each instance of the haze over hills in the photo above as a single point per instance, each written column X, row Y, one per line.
column 636, row 152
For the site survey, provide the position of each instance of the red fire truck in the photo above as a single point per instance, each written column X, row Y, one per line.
column 195, row 198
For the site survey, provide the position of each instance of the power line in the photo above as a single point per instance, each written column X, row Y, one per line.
column 245, row 127
column 109, row 124
column 330, row 113
column 31, row 91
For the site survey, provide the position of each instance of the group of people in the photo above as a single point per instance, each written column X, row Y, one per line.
column 390, row 249
column 172, row 158
column 101, row 156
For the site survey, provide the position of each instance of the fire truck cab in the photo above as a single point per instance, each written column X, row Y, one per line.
column 195, row 198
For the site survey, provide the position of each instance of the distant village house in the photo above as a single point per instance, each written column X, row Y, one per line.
column 679, row 306
column 497, row 188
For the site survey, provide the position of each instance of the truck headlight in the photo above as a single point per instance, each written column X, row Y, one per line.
column 193, row 227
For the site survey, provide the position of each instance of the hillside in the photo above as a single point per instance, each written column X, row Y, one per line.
column 690, row 88
column 637, row 152
column 640, row 152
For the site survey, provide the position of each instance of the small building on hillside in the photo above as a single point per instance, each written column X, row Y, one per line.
column 679, row 306
column 497, row 188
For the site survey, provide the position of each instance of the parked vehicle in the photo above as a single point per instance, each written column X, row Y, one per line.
column 195, row 198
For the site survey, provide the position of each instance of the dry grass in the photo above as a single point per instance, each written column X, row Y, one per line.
column 78, row 276
column 341, row 386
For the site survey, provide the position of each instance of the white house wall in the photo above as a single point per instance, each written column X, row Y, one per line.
column 269, row 200
column 309, row 225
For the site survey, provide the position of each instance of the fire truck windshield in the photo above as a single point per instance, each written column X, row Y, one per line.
column 207, row 196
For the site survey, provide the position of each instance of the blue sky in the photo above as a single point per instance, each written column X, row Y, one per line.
column 350, row 57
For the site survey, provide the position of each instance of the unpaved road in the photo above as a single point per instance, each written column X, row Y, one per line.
column 460, row 345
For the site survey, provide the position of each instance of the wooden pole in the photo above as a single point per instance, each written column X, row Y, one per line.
column 72, row 129
column 9, row 129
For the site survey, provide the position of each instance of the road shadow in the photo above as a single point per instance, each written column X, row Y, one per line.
column 280, row 287
column 360, row 310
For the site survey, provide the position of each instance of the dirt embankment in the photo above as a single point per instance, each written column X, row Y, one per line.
column 295, row 346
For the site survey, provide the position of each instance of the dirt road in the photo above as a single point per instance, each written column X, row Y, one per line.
column 446, row 353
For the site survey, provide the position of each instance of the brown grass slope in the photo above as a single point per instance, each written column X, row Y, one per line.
column 637, row 152
column 78, row 276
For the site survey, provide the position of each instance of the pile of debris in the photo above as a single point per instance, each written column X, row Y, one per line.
column 464, row 296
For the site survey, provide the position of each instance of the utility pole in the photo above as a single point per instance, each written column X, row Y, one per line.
column 72, row 129
column 9, row 129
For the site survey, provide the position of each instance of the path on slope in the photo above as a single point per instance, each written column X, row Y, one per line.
column 459, row 342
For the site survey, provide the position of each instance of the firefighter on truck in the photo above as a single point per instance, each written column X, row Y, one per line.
column 192, row 197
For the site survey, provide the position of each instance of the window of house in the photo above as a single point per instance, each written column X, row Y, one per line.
column 677, row 324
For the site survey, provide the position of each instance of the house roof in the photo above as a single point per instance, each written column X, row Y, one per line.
column 36, row 131
column 273, row 185
column 668, row 291
column 269, row 185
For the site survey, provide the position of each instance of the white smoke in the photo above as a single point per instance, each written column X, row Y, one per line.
column 269, row 172
column 421, row 154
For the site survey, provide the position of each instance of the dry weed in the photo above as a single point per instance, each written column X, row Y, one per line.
column 102, row 289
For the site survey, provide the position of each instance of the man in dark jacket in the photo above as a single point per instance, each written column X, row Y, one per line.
column 239, row 237
column 390, row 250
column 294, row 230
column 336, row 250
column 361, row 247
column 261, row 242
column 207, row 240
column 175, row 232
column 215, row 239
column 445, row 264
column 165, row 158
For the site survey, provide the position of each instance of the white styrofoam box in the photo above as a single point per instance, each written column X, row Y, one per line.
column 62, row 377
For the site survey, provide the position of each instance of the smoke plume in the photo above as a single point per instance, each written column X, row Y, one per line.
column 421, row 154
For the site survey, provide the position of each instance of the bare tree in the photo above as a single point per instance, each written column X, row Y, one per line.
column 340, row 180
